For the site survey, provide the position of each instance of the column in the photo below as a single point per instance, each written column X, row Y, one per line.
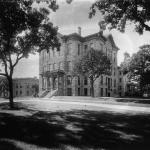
column 40, row 83
column 73, row 86
column 46, row 83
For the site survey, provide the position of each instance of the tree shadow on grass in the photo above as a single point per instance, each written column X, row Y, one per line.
column 6, row 145
column 82, row 129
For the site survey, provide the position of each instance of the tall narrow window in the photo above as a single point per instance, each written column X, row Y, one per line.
column 106, row 91
column 101, row 80
column 114, row 82
column 85, row 81
column 16, row 93
column 78, row 49
column 20, row 92
column 114, row 71
column 69, row 80
column 78, row 80
column 69, row 48
column 120, row 80
column 78, row 91
column 85, row 91
column 69, row 65
column 101, row 91
column 85, row 48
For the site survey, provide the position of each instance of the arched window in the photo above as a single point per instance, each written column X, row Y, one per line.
column 69, row 80
column 85, row 81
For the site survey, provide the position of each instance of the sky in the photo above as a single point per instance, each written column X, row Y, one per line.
column 68, row 18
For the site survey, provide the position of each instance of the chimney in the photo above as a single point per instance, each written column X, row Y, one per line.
column 102, row 26
column 79, row 31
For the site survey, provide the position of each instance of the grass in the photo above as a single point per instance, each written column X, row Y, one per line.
column 74, row 129
column 140, row 101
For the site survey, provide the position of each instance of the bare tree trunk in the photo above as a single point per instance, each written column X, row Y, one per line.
column 10, row 82
column 92, row 86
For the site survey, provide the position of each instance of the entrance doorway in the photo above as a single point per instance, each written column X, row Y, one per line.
column 69, row 91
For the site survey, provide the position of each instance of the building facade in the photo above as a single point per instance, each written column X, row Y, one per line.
column 24, row 86
column 55, row 67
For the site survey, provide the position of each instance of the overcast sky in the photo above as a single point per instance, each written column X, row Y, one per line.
column 68, row 18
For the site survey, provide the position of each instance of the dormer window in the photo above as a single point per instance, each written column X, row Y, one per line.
column 91, row 45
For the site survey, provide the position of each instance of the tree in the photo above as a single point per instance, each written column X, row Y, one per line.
column 35, row 88
column 125, row 64
column 118, row 12
column 93, row 64
column 4, row 87
column 138, row 68
column 24, row 30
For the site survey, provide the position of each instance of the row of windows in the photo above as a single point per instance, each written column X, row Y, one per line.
column 56, row 66
column 69, row 92
column 45, row 55
column 17, row 86
column 69, row 80
column 85, row 81
column 20, row 93
column 79, row 48
column 103, row 92
column 108, row 81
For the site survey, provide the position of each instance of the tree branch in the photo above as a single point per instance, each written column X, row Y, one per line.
column 3, row 74
column 17, row 60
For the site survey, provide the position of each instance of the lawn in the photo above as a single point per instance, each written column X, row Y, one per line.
column 76, row 129
column 135, row 100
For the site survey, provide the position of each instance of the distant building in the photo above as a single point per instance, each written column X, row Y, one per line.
column 55, row 66
column 24, row 86
column 127, row 87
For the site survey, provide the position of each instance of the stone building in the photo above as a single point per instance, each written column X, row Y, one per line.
column 122, row 79
column 55, row 66
column 24, row 86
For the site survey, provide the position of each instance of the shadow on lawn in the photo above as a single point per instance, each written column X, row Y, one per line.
column 82, row 129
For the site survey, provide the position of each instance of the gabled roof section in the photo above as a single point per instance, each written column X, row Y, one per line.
column 110, row 38
column 95, row 35
column 73, row 36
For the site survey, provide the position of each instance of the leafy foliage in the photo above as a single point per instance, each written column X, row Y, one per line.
column 138, row 67
column 24, row 30
column 93, row 64
column 118, row 12
column 3, row 87
column 125, row 64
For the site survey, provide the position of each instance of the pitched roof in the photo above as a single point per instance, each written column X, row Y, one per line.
column 91, row 36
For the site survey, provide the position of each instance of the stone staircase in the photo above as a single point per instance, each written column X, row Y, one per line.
column 43, row 93
column 51, row 93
